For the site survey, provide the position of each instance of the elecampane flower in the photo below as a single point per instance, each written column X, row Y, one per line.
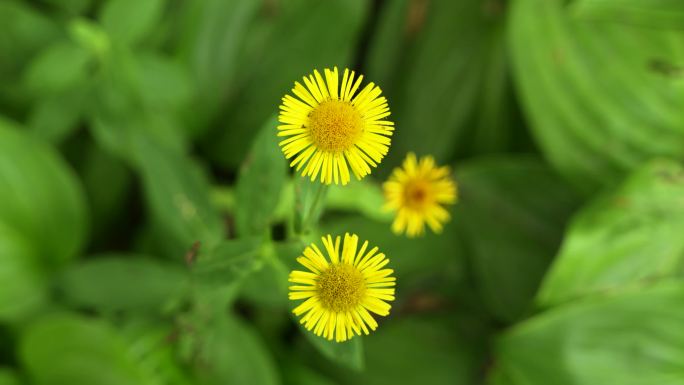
column 331, row 128
column 342, row 291
column 418, row 192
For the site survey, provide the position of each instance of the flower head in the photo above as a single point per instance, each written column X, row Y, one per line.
column 342, row 290
column 417, row 192
column 330, row 127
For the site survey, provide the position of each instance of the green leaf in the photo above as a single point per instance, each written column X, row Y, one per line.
column 68, row 349
column 130, row 21
column 42, row 200
column 654, row 13
column 522, row 207
column 628, row 237
column 273, row 64
column 231, row 352
column 214, row 35
column 60, row 67
column 417, row 350
column 310, row 197
column 23, row 286
column 163, row 81
column 364, row 197
column 628, row 338
column 447, row 94
column 123, row 282
column 227, row 263
column 593, row 120
column 177, row 195
column 348, row 353
column 54, row 117
column 259, row 185
column 8, row 377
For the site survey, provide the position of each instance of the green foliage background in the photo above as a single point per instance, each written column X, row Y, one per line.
column 148, row 220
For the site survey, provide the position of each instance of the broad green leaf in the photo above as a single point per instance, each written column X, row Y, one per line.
column 511, row 216
column 214, row 36
column 129, row 21
column 593, row 119
column 653, row 13
column 446, row 94
column 54, row 117
column 58, row 68
column 65, row 349
column 259, row 185
column 123, row 282
column 630, row 236
column 364, row 197
column 269, row 285
column 177, row 196
column 41, row 199
column 163, row 81
column 24, row 31
column 8, row 377
column 231, row 352
column 70, row 7
column 294, row 39
column 630, row 338
column 310, row 198
column 417, row 350
column 348, row 354
column 152, row 346
column 227, row 263
column 90, row 36
column 24, row 287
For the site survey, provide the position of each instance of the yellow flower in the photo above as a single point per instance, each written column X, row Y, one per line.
column 417, row 193
column 341, row 293
column 331, row 128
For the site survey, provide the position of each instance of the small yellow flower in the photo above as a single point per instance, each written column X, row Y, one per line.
column 341, row 293
column 417, row 193
column 331, row 128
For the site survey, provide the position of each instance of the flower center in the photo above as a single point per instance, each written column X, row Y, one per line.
column 335, row 125
column 341, row 287
column 417, row 194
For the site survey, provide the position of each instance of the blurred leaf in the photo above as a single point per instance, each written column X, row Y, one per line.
column 41, row 199
column 214, row 36
column 163, row 82
column 310, row 198
column 259, row 185
column 23, row 32
column 129, row 21
column 90, row 36
column 631, row 236
column 123, row 282
column 23, row 285
column 8, row 377
column 417, row 350
column 296, row 39
column 654, row 13
column 629, row 338
column 511, row 216
column 441, row 90
column 60, row 67
column 228, row 262
column 177, row 195
column 70, row 7
column 153, row 347
column 69, row 349
column 348, row 354
column 54, row 117
column 297, row 374
column 364, row 197
column 594, row 120
column 231, row 352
